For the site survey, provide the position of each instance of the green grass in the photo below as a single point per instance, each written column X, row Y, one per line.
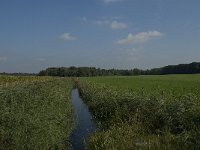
column 178, row 84
column 35, row 113
column 144, row 112
column 140, row 112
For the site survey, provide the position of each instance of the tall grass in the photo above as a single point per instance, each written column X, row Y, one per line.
column 141, row 119
column 35, row 113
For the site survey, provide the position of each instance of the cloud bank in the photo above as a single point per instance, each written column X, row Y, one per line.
column 67, row 37
column 140, row 37
column 118, row 25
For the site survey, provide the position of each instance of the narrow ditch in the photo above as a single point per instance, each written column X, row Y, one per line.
column 85, row 124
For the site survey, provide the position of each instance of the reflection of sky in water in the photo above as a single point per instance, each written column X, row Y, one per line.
column 85, row 124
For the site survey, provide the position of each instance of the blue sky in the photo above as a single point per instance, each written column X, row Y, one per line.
column 36, row 34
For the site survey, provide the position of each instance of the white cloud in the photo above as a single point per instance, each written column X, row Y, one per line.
column 67, row 36
column 3, row 58
column 115, row 25
column 118, row 25
column 140, row 37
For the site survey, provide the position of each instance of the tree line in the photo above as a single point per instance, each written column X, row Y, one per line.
column 192, row 68
column 18, row 74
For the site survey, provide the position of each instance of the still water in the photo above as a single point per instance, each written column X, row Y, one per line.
column 85, row 124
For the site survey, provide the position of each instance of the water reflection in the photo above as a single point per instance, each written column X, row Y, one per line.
column 85, row 123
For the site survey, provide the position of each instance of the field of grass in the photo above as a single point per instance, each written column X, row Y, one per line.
column 35, row 113
column 140, row 112
column 176, row 84
column 144, row 112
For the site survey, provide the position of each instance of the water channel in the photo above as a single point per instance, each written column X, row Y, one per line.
column 85, row 124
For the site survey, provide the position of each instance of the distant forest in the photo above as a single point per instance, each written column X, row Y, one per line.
column 19, row 74
column 192, row 68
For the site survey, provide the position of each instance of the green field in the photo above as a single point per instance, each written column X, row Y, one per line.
column 144, row 112
column 180, row 84
column 35, row 113
column 138, row 112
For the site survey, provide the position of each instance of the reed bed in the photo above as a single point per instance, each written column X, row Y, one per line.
column 140, row 118
column 35, row 113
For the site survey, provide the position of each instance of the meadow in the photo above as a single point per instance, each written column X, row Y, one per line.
column 131, row 112
column 35, row 112
column 144, row 112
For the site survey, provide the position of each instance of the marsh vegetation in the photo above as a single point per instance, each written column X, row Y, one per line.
column 145, row 112
column 138, row 112
column 35, row 112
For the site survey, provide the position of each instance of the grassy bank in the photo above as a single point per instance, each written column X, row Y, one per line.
column 35, row 113
column 145, row 112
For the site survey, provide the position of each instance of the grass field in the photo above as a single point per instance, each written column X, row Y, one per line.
column 178, row 84
column 140, row 112
column 35, row 113
column 144, row 112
